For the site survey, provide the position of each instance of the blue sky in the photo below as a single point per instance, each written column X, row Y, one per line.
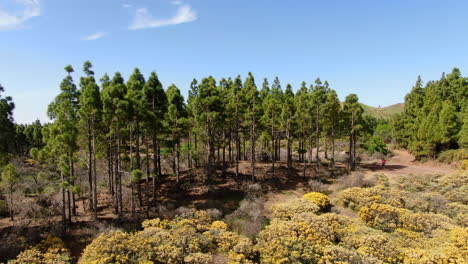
column 373, row 48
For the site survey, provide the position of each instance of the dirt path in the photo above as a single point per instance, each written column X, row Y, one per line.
column 404, row 163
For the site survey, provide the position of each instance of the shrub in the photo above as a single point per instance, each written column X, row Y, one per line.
column 290, row 242
column 294, row 207
column 317, row 186
column 219, row 225
column 320, row 199
column 458, row 212
column 382, row 216
column 248, row 219
column 452, row 155
column 388, row 218
column 376, row 144
column 355, row 179
column 191, row 237
column 49, row 251
column 198, row 258
column 4, row 208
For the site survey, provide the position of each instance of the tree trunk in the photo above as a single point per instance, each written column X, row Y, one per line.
column 119, row 177
column 155, row 167
column 137, row 138
column 95, row 199
column 211, row 153
column 69, row 207
column 224, row 147
column 12, row 217
column 159, row 159
column 64, row 215
column 90, row 170
column 289, row 154
column 71, row 195
column 317, row 135
column 116, row 179
column 132, row 199
column 273, row 148
column 131, row 149
column 252, row 142
column 326, row 147
column 245, row 149
column 196, row 151
column 333, row 146
column 110, row 170
column 147, row 179
column 189, row 160
column 230, row 147
column 177, row 162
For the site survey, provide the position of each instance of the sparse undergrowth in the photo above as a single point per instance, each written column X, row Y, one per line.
column 416, row 220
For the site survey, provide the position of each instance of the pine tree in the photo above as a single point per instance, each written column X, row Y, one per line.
column 10, row 178
column 353, row 124
column 156, row 105
column 6, row 124
column 251, row 116
column 63, row 137
column 449, row 125
column 332, row 117
column 319, row 97
column 208, row 109
column 236, row 106
column 175, row 122
column 137, row 110
column 115, row 114
column 272, row 105
column 90, row 118
column 287, row 121
column 463, row 136
column 303, row 120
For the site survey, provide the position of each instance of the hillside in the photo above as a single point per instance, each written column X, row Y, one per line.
column 383, row 112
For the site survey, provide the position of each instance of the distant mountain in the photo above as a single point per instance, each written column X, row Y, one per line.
column 383, row 112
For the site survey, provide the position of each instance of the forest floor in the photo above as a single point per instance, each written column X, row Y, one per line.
column 223, row 192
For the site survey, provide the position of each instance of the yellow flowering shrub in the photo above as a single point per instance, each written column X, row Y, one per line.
column 388, row 218
column 182, row 240
column 290, row 242
column 421, row 219
column 219, row 225
column 357, row 197
column 320, row 199
column 458, row 212
column 198, row 258
column 382, row 216
column 294, row 207
column 49, row 251
column 335, row 254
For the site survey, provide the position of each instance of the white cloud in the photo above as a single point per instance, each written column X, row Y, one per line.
column 176, row 2
column 15, row 20
column 94, row 36
column 143, row 19
column 126, row 5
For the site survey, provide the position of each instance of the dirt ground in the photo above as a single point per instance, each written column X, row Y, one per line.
column 224, row 192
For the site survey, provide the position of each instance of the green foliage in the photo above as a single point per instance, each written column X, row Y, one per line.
column 6, row 125
column 376, row 144
column 10, row 176
column 137, row 175
column 433, row 118
column 452, row 155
